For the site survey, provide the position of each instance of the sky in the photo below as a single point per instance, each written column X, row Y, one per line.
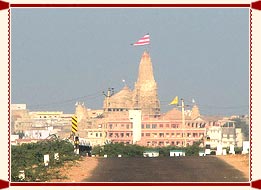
column 61, row 56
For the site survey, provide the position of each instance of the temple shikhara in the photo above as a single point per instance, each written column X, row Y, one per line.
column 132, row 116
column 144, row 97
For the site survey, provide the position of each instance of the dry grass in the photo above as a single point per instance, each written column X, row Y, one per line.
column 240, row 162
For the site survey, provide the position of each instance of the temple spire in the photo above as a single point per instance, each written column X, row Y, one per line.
column 145, row 69
column 145, row 96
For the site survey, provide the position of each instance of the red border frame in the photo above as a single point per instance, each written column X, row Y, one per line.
column 253, row 5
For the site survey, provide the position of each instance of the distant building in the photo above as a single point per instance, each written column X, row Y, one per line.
column 18, row 107
column 133, row 117
column 225, row 134
column 151, row 153
column 177, row 153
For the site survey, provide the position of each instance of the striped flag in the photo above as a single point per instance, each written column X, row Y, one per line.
column 145, row 40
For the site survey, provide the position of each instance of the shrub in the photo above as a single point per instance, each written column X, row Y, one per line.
column 30, row 158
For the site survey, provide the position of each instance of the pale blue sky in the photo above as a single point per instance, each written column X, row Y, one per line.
column 60, row 56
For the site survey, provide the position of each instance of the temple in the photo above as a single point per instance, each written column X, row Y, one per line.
column 134, row 117
column 144, row 97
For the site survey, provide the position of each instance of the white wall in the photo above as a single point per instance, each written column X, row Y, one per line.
column 135, row 118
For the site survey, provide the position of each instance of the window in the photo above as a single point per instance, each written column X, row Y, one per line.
column 142, row 126
column 154, row 126
column 127, row 134
column 142, row 134
column 161, row 125
column 161, row 134
column 110, row 126
column 122, row 134
column 167, row 134
column 173, row 134
column 127, row 126
column 161, row 143
column 147, row 126
column 147, row 134
column 167, row 125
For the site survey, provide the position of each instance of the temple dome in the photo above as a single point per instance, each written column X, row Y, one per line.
column 122, row 99
column 173, row 114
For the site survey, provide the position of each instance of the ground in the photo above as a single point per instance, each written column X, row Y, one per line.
column 102, row 169
column 77, row 171
column 240, row 162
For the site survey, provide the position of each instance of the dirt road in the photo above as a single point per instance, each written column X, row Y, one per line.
column 165, row 169
column 230, row 168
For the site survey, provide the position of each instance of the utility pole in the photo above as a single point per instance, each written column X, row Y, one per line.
column 110, row 92
column 183, row 121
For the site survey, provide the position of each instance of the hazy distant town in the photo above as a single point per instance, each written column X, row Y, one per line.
column 132, row 117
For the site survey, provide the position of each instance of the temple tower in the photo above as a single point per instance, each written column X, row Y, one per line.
column 145, row 96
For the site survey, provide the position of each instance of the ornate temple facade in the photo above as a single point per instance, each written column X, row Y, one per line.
column 134, row 117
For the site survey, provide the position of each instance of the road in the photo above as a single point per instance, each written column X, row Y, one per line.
column 165, row 169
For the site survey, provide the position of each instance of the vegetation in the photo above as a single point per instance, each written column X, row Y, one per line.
column 113, row 150
column 30, row 158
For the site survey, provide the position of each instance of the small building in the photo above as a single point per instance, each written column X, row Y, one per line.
column 176, row 153
column 246, row 147
column 202, row 153
column 151, row 153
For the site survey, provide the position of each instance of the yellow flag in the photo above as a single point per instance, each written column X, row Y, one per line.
column 175, row 101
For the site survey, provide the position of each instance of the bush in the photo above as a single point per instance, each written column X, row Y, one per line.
column 30, row 158
column 129, row 150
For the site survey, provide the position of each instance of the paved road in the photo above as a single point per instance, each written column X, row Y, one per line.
column 171, row 169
